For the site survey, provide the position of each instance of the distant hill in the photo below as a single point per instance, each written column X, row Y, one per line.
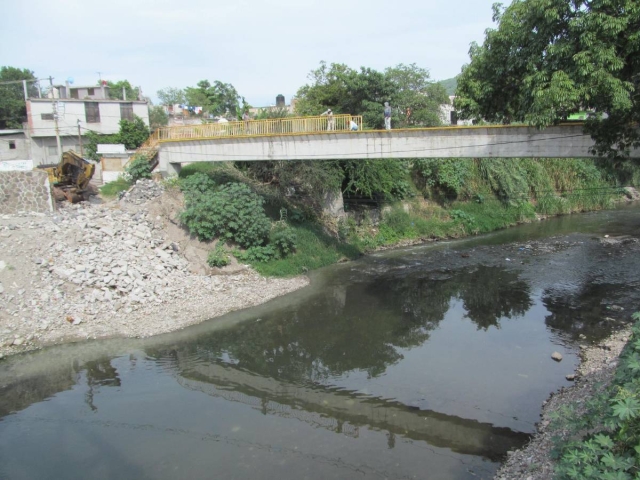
column 450, row 85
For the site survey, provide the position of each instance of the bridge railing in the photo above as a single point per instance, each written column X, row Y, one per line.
column 255, row 128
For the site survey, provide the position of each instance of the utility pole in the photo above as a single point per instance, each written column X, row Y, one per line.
column 24, row 86
column 80, row 138
column 55, row 118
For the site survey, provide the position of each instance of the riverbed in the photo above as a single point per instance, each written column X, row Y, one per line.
column 425, row 362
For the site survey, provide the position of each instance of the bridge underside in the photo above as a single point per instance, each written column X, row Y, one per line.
column 462, row 142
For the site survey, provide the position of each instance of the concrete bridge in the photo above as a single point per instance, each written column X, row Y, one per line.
column 313, row 138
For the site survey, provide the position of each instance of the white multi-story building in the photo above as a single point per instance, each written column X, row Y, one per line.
column 87, row 107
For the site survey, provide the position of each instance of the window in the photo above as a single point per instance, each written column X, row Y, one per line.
column 52, row 151
column 12, row 145
column 46, row 116
column 92, row 111
column 74, row 93
column 126, row 111
column 454, row 118
column 90, row 91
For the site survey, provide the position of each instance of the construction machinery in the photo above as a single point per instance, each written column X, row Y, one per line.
column 70, row 178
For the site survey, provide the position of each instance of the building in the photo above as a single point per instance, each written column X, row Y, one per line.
column 87, row 107
column 15, row 151
column 448, row 114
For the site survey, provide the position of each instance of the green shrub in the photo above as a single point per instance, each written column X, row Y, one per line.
column 138, row 168
column 446, row 174
column 218, row 257
column 196, row 184
column 284, row 240
column 232, row 212
column 257, row 254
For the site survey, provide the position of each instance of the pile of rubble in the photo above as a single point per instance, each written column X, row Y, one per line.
column 143, row 191
column 102, row 270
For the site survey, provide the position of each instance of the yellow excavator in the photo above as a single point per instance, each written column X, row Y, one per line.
column 70, row 178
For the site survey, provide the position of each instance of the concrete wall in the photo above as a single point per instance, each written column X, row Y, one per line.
column 70, row 111
column 20, row 143
column 25, row 192
column 564, row 141
column 44, row 149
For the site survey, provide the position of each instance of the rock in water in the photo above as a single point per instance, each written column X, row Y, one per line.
column 556, row 356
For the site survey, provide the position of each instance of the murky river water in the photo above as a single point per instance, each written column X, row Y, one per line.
column 428, row 362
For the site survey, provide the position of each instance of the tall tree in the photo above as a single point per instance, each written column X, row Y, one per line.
column 13, row 110
column 157, row 117
column 417, row 99
column 171, row 96
column 550, row 58
column 217, row 99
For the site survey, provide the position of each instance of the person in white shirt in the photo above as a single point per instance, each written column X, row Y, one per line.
column 330, row 119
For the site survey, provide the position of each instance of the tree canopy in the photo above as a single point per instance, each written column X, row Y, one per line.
column 115, row 90
column 13, row 110
column 364, row 91
column 548, row 59
column 171, row 96
column 216, row 99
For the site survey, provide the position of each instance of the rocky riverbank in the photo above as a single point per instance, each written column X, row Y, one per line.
column 596, row 370
column 121, row 268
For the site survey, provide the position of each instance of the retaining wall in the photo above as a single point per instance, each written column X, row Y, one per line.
column 25, row 192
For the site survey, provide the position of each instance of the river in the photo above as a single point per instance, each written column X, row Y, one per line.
column 423, row 362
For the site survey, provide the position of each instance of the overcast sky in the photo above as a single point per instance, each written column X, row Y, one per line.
column 262, row 47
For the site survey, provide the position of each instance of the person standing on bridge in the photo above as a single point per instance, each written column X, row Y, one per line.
column 387, row 116
column 330, row 119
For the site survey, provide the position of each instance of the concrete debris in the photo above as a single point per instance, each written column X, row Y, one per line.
column 143, row 191
column 103, row 270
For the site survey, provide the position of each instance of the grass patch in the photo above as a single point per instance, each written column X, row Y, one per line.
column 314, row 249
column 111, row 189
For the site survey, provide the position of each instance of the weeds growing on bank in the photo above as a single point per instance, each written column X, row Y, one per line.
column 605, row 432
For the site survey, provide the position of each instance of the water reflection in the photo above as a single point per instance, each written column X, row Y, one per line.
column 363, row 326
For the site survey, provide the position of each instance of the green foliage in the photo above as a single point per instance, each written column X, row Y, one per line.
column 218, row 99
column 283, row 240
column 272, row 112
column 115, row 90
column 232, row 212
column 158, row 117
column 447, row 175
column 548, row 59
column 364, row 91
column 387, row 177
column 171, row 96
column 138, row 168
column 314, row 249
column 112, row 189
column 218, row 257
column 133, row 133
column 13, row 110
column 257, row 254
column 197, row 184
column 416, row 99
column 610, row 448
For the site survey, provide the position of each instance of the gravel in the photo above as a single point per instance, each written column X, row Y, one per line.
column 104, row 270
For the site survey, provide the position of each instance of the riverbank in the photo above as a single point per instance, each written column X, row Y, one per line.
column 594, row 374
column 114, row 269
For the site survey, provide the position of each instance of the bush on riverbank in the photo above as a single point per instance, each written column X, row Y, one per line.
column 605, row 441
column 421, row 199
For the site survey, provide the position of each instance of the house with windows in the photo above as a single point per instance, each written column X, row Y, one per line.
column 15, row 151
column 86, row 107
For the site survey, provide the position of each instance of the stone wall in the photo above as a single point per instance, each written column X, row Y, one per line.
column 25, row 192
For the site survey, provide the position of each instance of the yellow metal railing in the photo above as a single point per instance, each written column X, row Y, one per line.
column 257, row 128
